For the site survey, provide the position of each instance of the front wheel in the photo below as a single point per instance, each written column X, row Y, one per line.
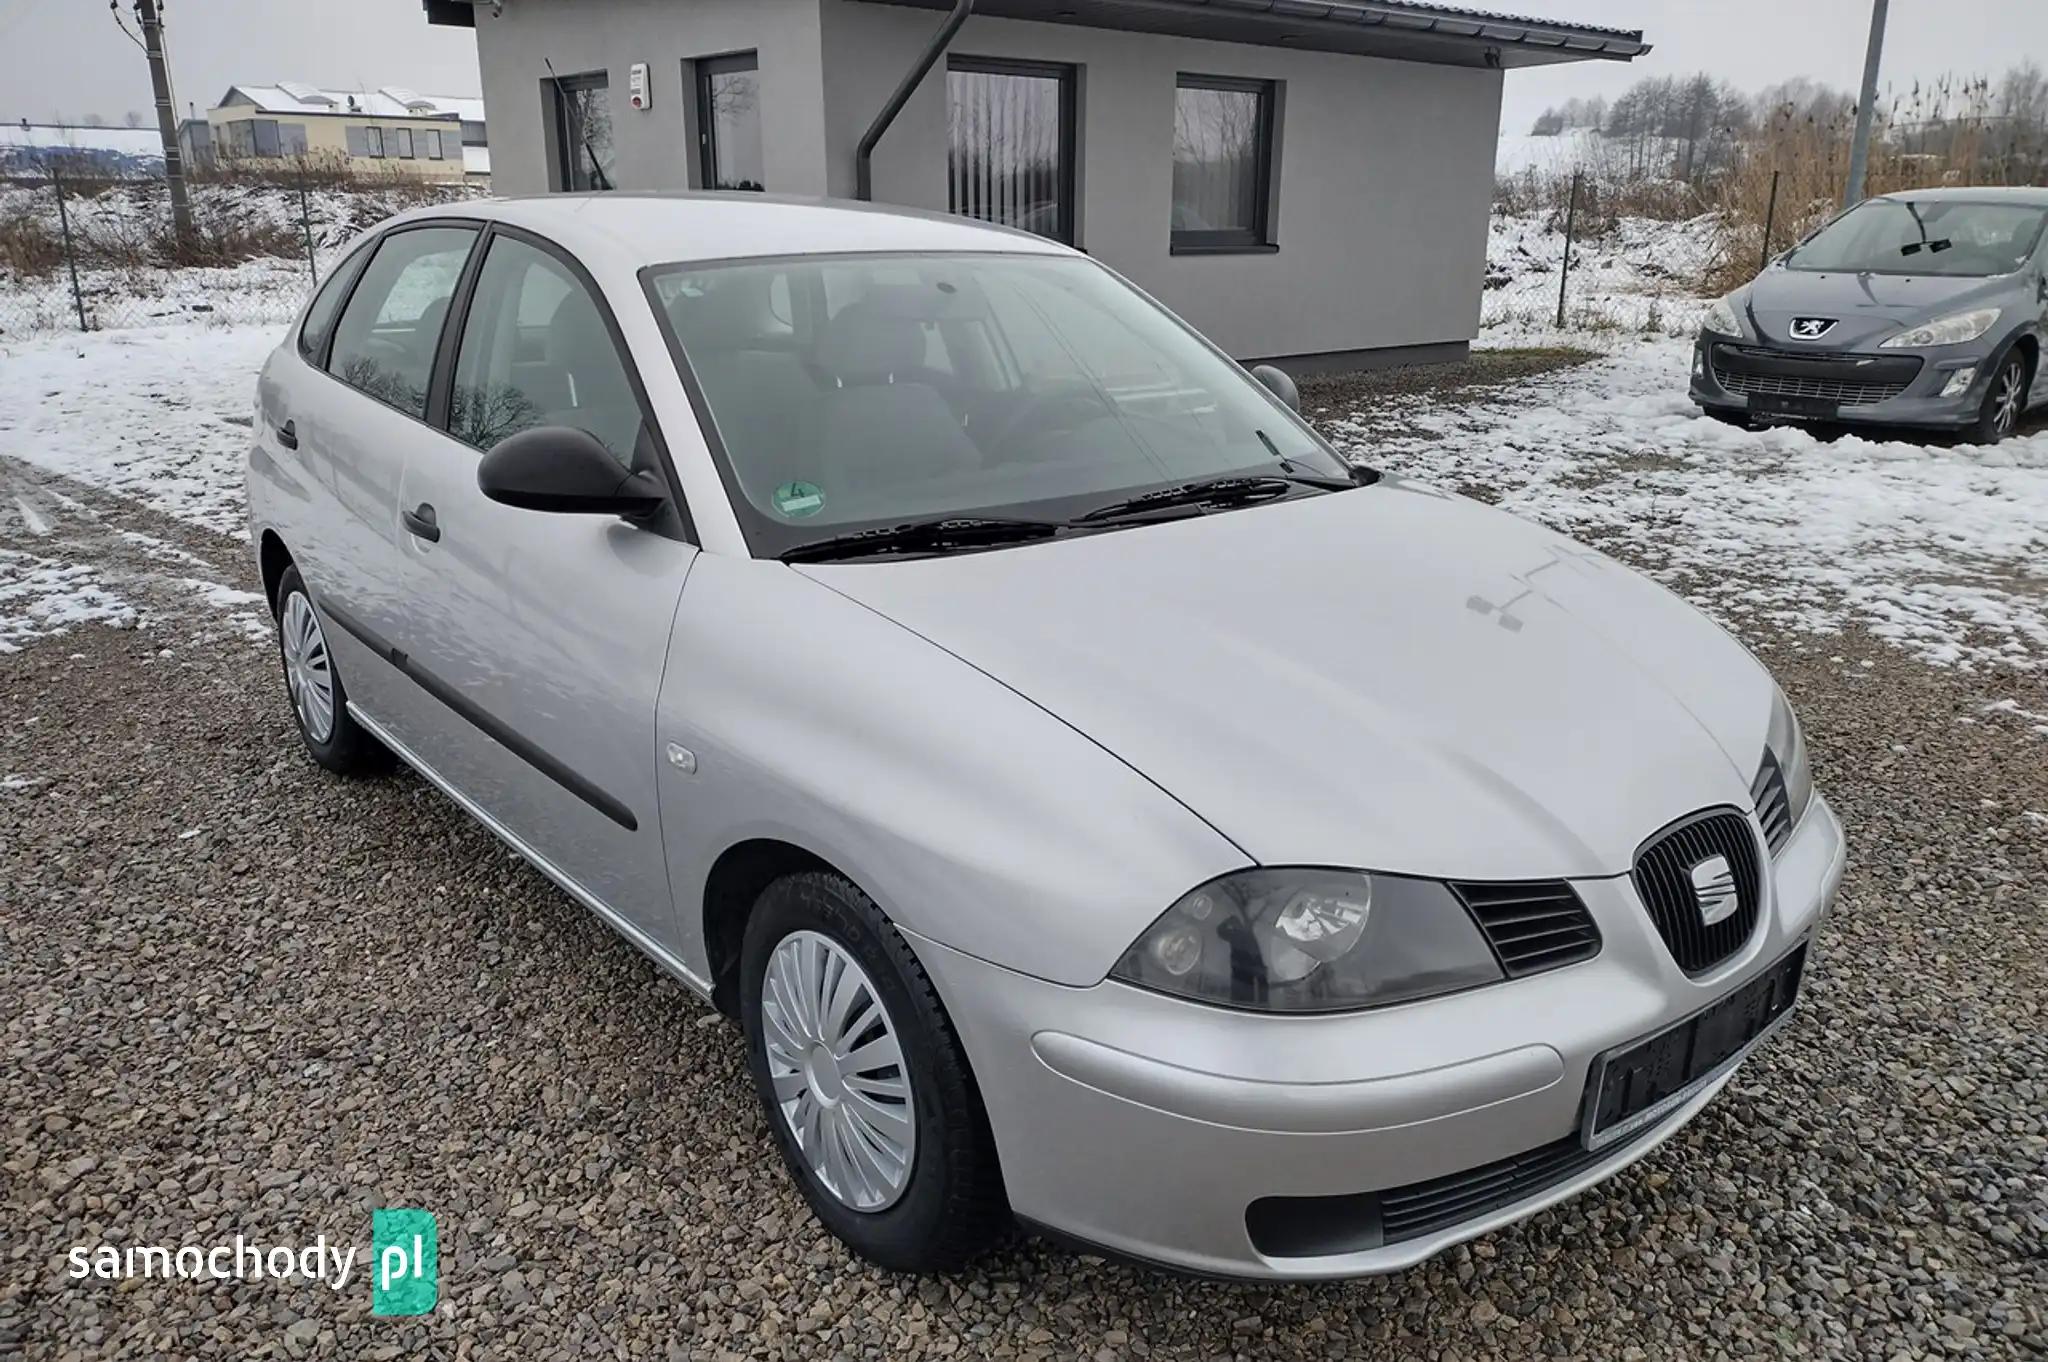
column 2004, row 400
column 864, row 1084
column 319, row 701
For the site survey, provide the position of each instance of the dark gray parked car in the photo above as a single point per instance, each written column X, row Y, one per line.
column 1925, row 308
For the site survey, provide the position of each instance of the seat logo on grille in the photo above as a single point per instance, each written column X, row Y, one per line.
column 1811, row 328
column 1713, row 885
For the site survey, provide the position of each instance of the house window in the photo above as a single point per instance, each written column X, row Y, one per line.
column 430, row 144
column 473, row 134
column 265, row 133
column 291, row 139
column 373, row 138
column 403, row 149
column 583, row 132
column 1010, row 144
column 1222, row 164
column 240, row 139
column 729, row 122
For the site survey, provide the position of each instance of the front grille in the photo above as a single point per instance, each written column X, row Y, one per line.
column 1847, row 380
column 1839, row 391
column 1773, row 807
column 1423, row 1208
column 1663, row 880
column 1532, row 925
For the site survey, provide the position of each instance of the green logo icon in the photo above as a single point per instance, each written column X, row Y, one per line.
column 799, row 499
column 406, row 1254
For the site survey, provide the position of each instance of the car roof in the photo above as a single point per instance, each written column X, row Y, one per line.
column 2027, row 195
column 630, row 230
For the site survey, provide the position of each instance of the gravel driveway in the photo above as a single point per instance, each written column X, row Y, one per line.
column 244, row 996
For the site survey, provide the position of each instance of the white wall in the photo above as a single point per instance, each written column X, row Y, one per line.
column 1385, row 168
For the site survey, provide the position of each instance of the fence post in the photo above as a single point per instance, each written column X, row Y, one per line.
column 70, row 255
column 1770, row 217
column 1571, row 213
column 306, row 224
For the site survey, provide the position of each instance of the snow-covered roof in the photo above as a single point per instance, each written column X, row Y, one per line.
column 68, row 137
column 389, row 101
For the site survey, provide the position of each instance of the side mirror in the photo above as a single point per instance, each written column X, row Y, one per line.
column 559, row 468
column 1282, row 386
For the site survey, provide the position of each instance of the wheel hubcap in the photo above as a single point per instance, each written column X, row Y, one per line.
column 308, row 672
column 2008, row 401
column 838, row 1071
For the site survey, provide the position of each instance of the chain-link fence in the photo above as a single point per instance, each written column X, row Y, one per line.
column 79, row 254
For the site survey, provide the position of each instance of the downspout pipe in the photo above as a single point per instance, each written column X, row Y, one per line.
column 863, row 158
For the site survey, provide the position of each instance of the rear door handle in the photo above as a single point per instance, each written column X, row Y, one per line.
column 421, row 522
column 288, row 435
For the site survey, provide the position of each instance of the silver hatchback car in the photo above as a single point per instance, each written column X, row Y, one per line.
column 1101, row 805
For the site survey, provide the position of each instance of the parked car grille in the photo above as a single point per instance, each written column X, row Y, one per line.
column 1423, row 1208
column 1663, row 880
column 1532, row 925
column 1846, row 380
column 1773, row 808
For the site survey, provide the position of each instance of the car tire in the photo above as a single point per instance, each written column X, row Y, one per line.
column 2005, row 399
column 929, row 1197
column 313, row 687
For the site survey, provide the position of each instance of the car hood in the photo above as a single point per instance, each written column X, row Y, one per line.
column 1392, row 678
column 1866, row 308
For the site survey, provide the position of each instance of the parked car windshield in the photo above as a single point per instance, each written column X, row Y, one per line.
column 859, row 390
column 1941, row 236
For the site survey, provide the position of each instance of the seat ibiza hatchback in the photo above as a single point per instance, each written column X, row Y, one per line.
column 1102, row 806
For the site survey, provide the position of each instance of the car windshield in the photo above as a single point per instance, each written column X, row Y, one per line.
column 1938, row 236
column 851, row 391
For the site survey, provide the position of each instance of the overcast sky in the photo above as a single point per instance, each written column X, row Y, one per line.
column 66, row 57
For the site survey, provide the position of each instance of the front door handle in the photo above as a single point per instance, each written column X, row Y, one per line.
column 421, row 523
column 288, row 435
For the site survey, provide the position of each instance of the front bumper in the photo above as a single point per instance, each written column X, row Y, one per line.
column 1739, row 377
column 1150, row 1126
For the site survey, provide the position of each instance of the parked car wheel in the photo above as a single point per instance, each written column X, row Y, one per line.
column 2004, row 400
column 864, row 1083
column 319, row 700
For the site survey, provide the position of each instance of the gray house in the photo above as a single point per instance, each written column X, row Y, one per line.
column 1304, row 180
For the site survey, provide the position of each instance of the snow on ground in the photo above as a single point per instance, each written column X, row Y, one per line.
column 41, row 596
column 160, row 416
column 1941, row 550
column 1640, row 277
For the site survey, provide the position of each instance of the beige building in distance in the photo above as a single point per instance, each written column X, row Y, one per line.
column 387, row 130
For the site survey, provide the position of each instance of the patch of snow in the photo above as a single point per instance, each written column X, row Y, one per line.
column 31, row 517
column 12, row 783
column 40, row 596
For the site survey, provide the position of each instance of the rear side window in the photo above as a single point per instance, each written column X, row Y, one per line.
column 536, row 352
column 384, row 343
column 320, row 316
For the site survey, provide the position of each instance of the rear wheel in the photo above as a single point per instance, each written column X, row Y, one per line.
column 864, row 1084
column 2004, row 400
column 319, row 700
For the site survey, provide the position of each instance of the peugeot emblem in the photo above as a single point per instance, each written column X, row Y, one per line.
column 1713, row 884
column 1811, row 328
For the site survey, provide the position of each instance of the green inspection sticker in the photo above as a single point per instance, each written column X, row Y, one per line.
column 799, row 499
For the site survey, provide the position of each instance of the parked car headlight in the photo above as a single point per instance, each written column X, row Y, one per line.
column 1787, row 745
column 1723, row 319
column 1953, row 329
column 1308, row 940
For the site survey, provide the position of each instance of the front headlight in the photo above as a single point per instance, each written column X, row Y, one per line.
column 1307, row 940
column 1786, row 745
column 1722, row 318
column 1953, row 329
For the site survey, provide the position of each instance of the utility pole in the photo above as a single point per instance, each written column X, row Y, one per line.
column 1859, row 150
column 148, row 14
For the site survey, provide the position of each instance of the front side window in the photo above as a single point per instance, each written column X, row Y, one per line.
column 1928, row 236
column 385, row 341
column 1222, row 163
column 1010, row 144
column 536, row 352
column 583, row 132
column 320, row 314
column 729, row 122
column 851, row 391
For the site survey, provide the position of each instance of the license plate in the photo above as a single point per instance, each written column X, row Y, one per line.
column 1793, row 408
column 1634, row 1085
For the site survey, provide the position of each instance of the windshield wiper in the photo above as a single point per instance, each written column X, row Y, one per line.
column 1234, row 490
column 1938, row 245
column 940, row 534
